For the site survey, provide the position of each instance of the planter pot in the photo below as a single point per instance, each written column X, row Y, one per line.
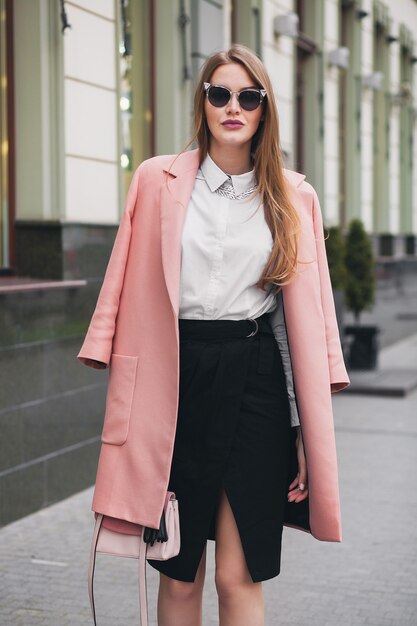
column 410, row 245
column 363, row 349
column 386, row 244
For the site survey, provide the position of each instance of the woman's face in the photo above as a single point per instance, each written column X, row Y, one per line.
column 236, row 78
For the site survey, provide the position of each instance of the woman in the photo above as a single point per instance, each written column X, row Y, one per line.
column 214, row 245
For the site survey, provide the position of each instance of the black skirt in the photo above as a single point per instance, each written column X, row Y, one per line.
column 233, row 431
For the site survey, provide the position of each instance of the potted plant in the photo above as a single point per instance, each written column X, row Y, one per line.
column 360, row 295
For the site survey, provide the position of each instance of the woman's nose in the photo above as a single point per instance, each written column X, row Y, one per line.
column 233, row 103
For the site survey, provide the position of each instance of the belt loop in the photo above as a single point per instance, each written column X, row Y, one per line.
column 256, row 327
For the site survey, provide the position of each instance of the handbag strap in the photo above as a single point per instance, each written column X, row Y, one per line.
column 91, row 568
column 143, row 602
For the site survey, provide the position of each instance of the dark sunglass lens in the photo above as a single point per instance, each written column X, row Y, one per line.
column 218, row 96
column 249, row 100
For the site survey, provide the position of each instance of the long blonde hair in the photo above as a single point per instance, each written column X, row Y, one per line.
column 272, row 186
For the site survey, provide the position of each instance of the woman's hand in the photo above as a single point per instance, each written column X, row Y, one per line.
column 298, row 489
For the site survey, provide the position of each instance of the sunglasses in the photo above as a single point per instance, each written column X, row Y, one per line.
column 249, row 99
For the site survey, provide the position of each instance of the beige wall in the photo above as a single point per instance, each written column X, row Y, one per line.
column 91, row 112
column 278, row 56
column 67, row 154
column 34, row 112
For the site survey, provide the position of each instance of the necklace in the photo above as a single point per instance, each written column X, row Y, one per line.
column 227, row 190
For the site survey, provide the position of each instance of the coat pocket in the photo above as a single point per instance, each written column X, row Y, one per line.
column 122, row 377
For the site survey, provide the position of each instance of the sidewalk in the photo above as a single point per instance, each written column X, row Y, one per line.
column 370, row 579
column 396, row 374
column 394, row 311
column 395, row 314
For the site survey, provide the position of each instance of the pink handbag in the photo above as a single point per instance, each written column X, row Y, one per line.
column 122, row 538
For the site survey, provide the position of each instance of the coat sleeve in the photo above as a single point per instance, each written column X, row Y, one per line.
column 339, row 378
column 97, row 346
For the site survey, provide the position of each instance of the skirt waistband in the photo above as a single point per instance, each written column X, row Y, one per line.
column 224, row 329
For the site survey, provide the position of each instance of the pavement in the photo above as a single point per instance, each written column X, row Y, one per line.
column 395, row 315
column 369, row 579
column 395, row 375
column 394, row 311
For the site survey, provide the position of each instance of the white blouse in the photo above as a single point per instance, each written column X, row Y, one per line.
column 225, row 246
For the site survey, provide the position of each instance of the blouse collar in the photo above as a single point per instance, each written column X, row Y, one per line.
column 215, row 177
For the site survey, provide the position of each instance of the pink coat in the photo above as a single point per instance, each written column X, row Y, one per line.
column 134, row 329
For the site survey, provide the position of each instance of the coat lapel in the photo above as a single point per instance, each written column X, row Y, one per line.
column 175, row 196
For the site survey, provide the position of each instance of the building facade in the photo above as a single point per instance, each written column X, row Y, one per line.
column 89, row 89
